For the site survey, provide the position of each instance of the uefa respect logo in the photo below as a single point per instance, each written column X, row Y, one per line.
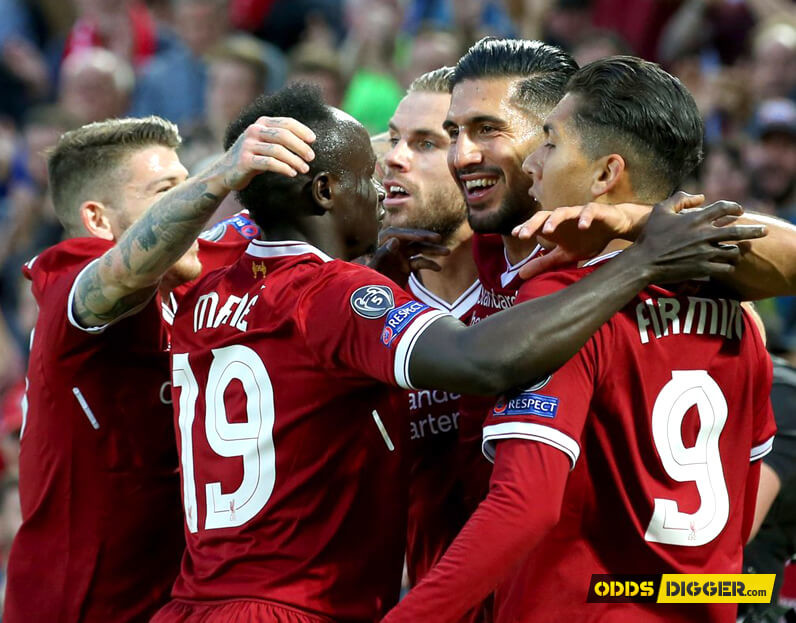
column 681, row 588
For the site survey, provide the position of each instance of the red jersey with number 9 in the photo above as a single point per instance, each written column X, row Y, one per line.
column 290, row 438
column 660, row 414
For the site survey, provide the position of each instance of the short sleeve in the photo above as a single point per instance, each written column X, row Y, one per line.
column 554, row 409
column 361, row 323
column 765, row 425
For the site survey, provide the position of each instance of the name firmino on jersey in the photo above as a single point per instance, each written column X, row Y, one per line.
column 659, row 317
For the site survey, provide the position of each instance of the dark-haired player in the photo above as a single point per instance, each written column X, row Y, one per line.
column 284, row 364
column 643, row 446
column 101, row 534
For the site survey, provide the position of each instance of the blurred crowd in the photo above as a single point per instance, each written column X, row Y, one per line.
column 64, row 63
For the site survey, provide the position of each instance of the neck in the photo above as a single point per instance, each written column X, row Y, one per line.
column 458, row 271
column 516, row 249
column 316, row 231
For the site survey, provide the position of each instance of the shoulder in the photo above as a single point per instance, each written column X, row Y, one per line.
column 550, row 282
column 66, row 258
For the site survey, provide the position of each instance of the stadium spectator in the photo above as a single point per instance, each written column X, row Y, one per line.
column 236, row 75
column 95, row 85
column 173, row 84
column 319, row 65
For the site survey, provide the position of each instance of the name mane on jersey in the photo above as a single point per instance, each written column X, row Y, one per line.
column 663, row 316
column 208, row 315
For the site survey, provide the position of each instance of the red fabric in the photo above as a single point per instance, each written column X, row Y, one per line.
column 101, row 534
column 84, row 34
column 500, row 283
column 639, row 22
column 297, row 523
column 178, row 611
column 637, row 388
column 249, row 14
column 437, row 505
column 504, row 528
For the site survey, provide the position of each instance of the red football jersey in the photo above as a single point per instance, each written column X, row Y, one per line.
column 101, row 536
column 220, row 246
column 294, row 483
column 660, row 413
column 500, row 281
column 436, row 508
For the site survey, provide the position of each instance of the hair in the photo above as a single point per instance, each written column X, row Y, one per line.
column 632, row 107
column 542, row 69
column 103, row 61
column 434, row 81
column 87, row 163
column 334, row 142
column 245, row 50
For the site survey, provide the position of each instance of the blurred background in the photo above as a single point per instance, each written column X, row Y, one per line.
column 64, row 63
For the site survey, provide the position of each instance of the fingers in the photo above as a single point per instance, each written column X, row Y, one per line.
column 418, row 262
column 561, row 215
column 267, row 163
column 280, row 154
column 407, row 234
column 717, row 210
column 265, row 135
column 682, row 200
column 529, row 228
column 287, row 123
column 736, row 232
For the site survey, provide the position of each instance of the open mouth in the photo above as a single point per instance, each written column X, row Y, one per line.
column 478, row 188
column 396, row 194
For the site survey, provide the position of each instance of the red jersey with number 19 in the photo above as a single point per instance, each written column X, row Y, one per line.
column 294, row 485
column 660, row 414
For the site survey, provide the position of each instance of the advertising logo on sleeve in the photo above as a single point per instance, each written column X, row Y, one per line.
column 527, row 402
column 372, row 301
column 246, row 227
column 400, row 318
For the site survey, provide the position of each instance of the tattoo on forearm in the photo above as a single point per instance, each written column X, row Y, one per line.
column 147, row 249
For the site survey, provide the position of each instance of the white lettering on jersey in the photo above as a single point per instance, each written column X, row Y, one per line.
column 207, row 315
column 659, row 317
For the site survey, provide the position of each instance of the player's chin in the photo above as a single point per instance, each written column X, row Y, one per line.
column 187, row 268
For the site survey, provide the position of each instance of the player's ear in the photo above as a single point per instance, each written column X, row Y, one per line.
column 606, row 174
column 94, row 216
column 323, row 190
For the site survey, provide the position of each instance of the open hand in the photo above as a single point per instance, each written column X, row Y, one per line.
column 277, row 144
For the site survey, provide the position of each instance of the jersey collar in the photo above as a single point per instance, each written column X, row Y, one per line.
column 283, row 248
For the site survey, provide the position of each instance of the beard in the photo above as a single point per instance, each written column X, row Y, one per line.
column 511, row 212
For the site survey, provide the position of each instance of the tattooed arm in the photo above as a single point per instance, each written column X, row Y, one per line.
column 127, row 275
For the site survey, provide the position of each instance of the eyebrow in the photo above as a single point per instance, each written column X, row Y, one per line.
column 476, row 120
column 160, row 180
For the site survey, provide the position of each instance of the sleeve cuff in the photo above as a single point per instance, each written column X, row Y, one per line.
column 759, row 451
column 98, row 329
column 532, row 432
column 403, row 352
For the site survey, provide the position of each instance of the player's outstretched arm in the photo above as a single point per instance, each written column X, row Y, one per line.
column 501, row 533
column 127, row 274
column 767, row 267
column 514, row 347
